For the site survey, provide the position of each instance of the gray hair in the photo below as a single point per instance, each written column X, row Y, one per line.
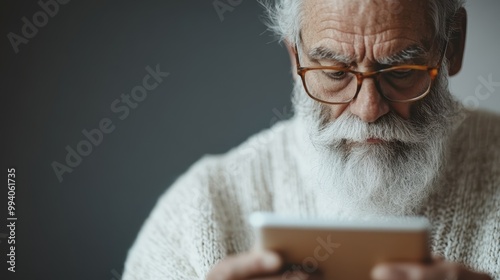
column 442, row 13
column 283, row 17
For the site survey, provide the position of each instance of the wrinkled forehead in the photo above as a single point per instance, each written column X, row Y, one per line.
column 358, row 25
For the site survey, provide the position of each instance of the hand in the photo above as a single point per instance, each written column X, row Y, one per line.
column 438, row 270
column 255, row 265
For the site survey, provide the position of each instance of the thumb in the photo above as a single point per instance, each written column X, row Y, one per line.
column 247, row 265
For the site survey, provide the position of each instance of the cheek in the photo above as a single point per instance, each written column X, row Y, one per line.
column 402, row 109
column 336, row 110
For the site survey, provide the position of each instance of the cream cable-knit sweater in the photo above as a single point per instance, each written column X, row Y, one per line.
column 202, row 217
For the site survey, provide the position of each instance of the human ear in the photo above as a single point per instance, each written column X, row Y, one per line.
column 456, row 45
column 293, row 61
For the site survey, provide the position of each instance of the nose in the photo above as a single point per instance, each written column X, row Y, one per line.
column 369, row 105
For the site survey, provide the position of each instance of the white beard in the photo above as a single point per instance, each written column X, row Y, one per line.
column 394, row 178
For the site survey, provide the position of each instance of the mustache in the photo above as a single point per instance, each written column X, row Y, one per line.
column 390, row 128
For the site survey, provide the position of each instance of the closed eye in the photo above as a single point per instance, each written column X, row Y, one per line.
column 400, row 73
column 335, row 75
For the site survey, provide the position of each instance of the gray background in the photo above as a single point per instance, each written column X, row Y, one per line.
column 228, row 80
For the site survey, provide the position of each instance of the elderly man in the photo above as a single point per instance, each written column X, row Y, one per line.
column 376, row 133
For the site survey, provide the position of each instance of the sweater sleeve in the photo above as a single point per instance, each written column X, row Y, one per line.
column 174, row 240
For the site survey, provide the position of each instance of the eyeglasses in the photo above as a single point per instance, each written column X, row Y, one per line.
column 334, row 85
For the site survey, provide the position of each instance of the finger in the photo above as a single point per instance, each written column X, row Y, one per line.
column 268, row 278
column 293, row 276
column 412, row 271
column 389, row 272
column 246, row 265
column 297, row 272
column 437, row 258
column 439, row 271
column 300, row 275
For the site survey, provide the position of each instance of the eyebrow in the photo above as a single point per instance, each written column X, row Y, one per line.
column 322, row 53
column 414, row 54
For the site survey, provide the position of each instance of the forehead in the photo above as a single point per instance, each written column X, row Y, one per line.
column 366, row 28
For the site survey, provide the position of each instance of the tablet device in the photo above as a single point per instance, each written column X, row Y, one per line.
column 342, row 250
